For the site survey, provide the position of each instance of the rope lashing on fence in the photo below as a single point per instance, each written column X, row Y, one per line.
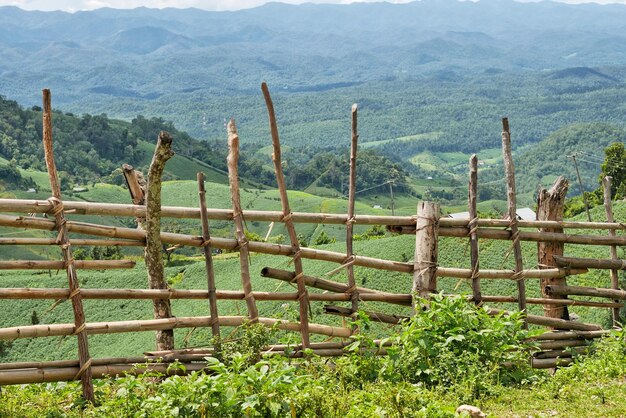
column 351, row 220
column 286, row 217
column 83, row 369
column 472, row 226
column 79, row 329
column 429, row 265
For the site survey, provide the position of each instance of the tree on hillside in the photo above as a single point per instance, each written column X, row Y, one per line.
column 614, row 165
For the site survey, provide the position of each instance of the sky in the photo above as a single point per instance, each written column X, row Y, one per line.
column 74, row 5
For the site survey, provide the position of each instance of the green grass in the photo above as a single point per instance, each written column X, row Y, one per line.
column 408, row 138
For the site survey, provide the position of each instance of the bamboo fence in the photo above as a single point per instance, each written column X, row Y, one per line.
column 565, row 338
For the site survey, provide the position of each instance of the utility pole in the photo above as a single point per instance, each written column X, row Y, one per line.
column 393, row 212
column 580, row 183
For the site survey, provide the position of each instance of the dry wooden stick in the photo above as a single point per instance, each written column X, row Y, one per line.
column 208, row 260
column 550, row 206
column 84, row 371
column 512, row 211
column 242, row 241
column 287, row 218
column 154, row 247
column 606, row 183
column 350, row 222
column 473, row 226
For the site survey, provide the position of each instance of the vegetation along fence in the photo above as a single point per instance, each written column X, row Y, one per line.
column 552, row 268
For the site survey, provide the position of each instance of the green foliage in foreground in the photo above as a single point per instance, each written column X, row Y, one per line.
column 441, row 358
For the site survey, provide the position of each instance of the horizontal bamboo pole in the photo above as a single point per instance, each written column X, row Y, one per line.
column 374, row 316
column 331, row 286
column 33, row 331
column 194, row 241
column 58, row 374
column 562, row 344
column 570, row 352
column 507, row 274
column 59, row 265
column 114, row 209
column 76, row 242
column 543, row 301
column 566, row 335
column 152, row 294
column 591, row 263
column 554, row 322
column 586, row 291
column 531, row 236
column 551, row 363
column 184, row 357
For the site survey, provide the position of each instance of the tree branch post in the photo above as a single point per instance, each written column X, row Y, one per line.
column 303, row 295
column 154, row 247
column 509, row 170
column 473, row 228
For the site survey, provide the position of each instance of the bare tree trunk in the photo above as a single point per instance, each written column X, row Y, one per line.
column 426, row 251
column 550, row 205
column 154, row 248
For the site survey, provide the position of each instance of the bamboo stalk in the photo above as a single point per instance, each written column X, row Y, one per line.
column 43, row 375
column 561, row 344
column 352, row 288
column 565, row 335
column 289, row 225
column 558, row 302
column 75, row 242
column 93, row 328
column 426, row 246
column 570, row 352
column 586, row 291
column 105, row 361
column 242, row 241
column 178, row 212
column 329, row 285
column 550, row 206
column 208, row 260
column 84, row 372
column 462, row 232
column 507, row 274
column 608, row 207
column 473, row 214
column 591, row 263
column 374, row 316
column 59, row 265
column 554, row 322
column 551, row 363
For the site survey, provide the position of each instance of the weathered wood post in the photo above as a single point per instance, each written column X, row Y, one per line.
column 154, row 247
column 242, row 241
column 351, row 203
column 84, row 372
column 426, row 247
column 550, row 205
column 608, row 207
column 303, row 295
column 473, row 228
column 208, row 261
column 509, row 170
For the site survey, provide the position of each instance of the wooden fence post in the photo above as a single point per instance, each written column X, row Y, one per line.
column 473, row 228
column 550, row 205
column 509, row 170
column 426, row 244
column 84, row 373
column 606, row 183
column 154, row 247
column 242, row 241
column 303, row 296
column 208, row 260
